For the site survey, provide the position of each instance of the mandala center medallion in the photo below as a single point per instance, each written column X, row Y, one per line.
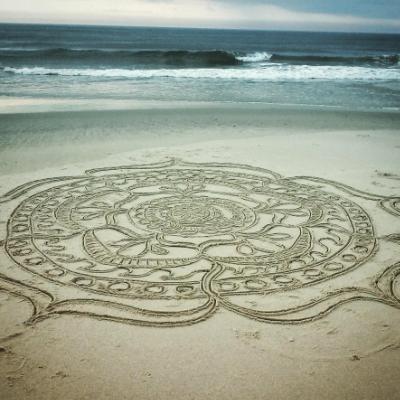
column 192, row 215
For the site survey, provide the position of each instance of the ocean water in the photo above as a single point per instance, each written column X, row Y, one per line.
column 344, row 70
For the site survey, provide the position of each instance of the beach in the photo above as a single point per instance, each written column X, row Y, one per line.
column 352, row 352
column 198, row 213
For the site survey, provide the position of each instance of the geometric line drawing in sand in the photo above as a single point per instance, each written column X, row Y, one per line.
column 169, row 244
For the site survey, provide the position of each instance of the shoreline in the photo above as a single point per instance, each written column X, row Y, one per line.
column 32, row 105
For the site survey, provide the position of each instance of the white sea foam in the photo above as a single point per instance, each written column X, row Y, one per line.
column 266, row 73
column 255, row 57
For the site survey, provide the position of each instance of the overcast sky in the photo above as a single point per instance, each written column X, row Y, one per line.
column 328, row 15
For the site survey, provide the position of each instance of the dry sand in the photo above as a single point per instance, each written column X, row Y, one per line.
column 351, row 353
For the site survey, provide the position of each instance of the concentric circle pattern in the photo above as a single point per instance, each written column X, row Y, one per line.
column 193, row 215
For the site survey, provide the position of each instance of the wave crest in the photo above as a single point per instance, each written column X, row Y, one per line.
column 64, row 57
column 177, row 58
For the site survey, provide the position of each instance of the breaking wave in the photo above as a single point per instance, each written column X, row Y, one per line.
column 64, row 57
column 264, row 73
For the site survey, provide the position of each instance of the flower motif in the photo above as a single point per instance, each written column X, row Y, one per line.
column 128, row 242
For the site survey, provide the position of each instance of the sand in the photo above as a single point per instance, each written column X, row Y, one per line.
column 352, row 352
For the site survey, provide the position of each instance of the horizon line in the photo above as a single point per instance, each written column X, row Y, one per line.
column 111, row 25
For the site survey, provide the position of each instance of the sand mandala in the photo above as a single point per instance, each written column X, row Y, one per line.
column 169, row 244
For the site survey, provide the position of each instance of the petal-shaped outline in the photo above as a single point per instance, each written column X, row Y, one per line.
column 384, row 284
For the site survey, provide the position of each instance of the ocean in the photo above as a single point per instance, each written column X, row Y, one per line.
column 343, row 70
